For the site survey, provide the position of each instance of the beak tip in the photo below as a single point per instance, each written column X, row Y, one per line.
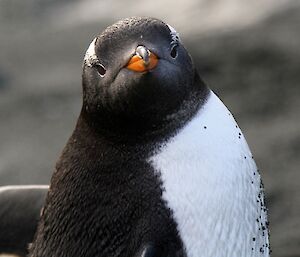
column 143, row 52
column 143, row 60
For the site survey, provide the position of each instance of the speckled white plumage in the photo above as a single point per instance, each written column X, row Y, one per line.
column 174, row 34
column 212, row 185
column 90, row 55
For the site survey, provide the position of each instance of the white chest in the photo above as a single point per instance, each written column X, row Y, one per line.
column 212, row 186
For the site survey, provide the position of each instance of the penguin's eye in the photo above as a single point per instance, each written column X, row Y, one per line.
column 173, row 52
column 100, row 68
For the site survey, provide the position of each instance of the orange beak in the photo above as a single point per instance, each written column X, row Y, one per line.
column 143, row 60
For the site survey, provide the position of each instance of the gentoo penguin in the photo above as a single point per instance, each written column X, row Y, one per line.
column 20, row 208
column 156, row 165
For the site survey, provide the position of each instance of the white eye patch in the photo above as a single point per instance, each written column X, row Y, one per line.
column 90, row 57
column 174, row 35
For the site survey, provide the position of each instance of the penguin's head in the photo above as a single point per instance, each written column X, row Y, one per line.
column 136, row 69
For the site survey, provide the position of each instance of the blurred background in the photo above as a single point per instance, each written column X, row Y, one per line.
column 247, row 51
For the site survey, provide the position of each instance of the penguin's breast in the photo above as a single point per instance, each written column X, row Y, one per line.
column 212, row 186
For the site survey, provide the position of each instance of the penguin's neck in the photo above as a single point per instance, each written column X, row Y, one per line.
column 212, row 185
column 125, row 126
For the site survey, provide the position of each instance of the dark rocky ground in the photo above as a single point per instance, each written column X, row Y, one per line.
column 255, row 69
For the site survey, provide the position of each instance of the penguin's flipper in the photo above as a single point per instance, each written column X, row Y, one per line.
column 20, row 208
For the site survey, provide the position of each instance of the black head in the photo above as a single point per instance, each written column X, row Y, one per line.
column 115, row 93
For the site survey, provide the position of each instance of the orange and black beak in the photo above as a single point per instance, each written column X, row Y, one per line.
column 143, row 60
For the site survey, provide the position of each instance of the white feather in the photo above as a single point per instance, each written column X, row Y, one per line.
column 212, row 189
column 174, row 34
column 90, row 55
